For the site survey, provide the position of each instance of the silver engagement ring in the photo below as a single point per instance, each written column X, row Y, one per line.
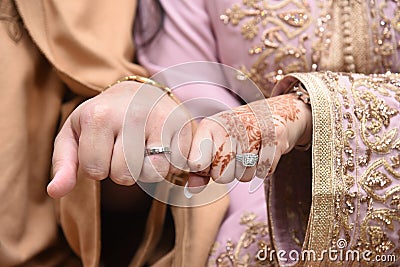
column 247, row 159
column 157, row 150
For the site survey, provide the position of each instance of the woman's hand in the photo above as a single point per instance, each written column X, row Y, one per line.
column 248, row 129
column 109, row 133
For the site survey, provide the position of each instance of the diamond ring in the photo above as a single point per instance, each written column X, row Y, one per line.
column 247, row 159
column 157, row 150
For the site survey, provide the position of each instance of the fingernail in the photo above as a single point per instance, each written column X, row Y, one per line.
column 186, row 191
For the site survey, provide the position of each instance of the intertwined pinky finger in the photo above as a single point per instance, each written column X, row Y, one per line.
column 197, row 183
column 200, row 156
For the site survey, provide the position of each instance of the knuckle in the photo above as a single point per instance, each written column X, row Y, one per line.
column 95, row 172
column 96, row 113
column 206, row 123
column 136, row 115
column 282, row 139
column 185, row 135
column 181, row 117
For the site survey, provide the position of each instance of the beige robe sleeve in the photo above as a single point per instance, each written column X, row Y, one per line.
column 89, row 43
column 85, row 45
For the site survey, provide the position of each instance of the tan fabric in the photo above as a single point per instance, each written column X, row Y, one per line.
column 46, row 45
column 89, row 43
column 31, row 96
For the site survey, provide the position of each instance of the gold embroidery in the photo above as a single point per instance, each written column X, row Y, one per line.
column 322, row 210
column 322, row 35
column 395, row 161
column 9, row 15
column 345, row 200
column 377, row 180
column 384, row 43
column 373, row 117
column 277, row 32
column 364, row 123
column 374, row 180
column 373, row 237
column 294, row 18
column 395, row 202
column 235, row 255
column 367, row 190
column 273, row 41
column 374, row 114
column 347, row 36
column 363, row 160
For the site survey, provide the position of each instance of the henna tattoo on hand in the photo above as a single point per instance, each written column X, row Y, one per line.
column 264, row 118
column 222, row 159
column 251, row 126
column 263, row 168
column 284, row 108
column 245, row 127
column 234, row 128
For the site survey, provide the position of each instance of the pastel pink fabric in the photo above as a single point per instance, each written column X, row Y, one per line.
column 193, row 31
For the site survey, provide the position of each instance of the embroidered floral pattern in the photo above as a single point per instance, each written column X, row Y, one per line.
column 272, row 25
column 365, row 130
column 385, row 21
column 281, row 31
column 376, row 192
column 235, row 254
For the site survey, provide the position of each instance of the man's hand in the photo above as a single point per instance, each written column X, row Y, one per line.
column 106, row 137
